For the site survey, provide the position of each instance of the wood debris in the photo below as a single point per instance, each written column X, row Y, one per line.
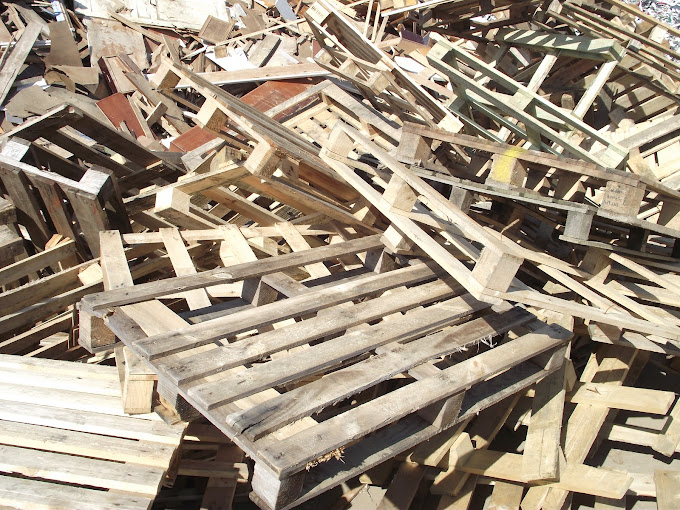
column 425, row 252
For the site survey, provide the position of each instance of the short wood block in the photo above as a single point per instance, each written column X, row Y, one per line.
column 165, row 77
column 210, row 116
column 263, row 161
column 461, row 198
column 507, row 171
column 578, row 224
column 495, row 270
column 93, row 334
column 272, row 490
column 670, row 214
column 622, row 198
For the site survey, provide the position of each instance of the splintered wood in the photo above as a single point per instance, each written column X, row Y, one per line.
column 403, row 249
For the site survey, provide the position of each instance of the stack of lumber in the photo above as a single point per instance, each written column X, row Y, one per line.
column 72, row 442
column 380, row 254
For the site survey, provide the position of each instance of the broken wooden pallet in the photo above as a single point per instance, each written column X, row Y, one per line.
column 52, row 204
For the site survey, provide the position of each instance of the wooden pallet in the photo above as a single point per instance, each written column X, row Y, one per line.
column 519, row 104
column 67, row 444
column 225, row 360
column 552, row 182
column 41, row 291
column 72, row 133
column 494, row 265
column 353, row 57
column 326, row 104
column 49, row 202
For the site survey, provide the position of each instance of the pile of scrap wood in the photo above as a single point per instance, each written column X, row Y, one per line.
column 379, row 254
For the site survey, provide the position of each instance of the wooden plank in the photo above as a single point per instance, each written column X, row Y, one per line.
column 505, row 496
column 50, row 257
column 18, row 364
column 85, row 444
column 576, row 478
column 626, row 321
column 32, row 337
column 623, row 397
column 68, row 399
column 45, row 308
column 285, row 72
column 540, row 460
column 93, row 334
column 667, row 484
column 462, row 500
column 28, row 210
column 232, row 274
column 18, row 54
column 241, row 205
column 668, row 441
column 298, row 243
column 88, row 207
column 21, row 297
column 403, row 487
column 41, row 376
column 81, row 471
column 220, row 491
column 483, row 431
column 183, row 265
column 38, row 495
column 140, row 429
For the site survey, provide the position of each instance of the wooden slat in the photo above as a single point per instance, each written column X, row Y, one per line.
column 85, row 421
column 576, row 478
column 81, row 471
column 232, row 274
column 540, row 460
column 12, row 65
column 183, row 265
column 39, row 495
column 85, row 444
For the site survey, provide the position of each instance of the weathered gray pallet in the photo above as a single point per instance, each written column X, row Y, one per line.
column 225, row 361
